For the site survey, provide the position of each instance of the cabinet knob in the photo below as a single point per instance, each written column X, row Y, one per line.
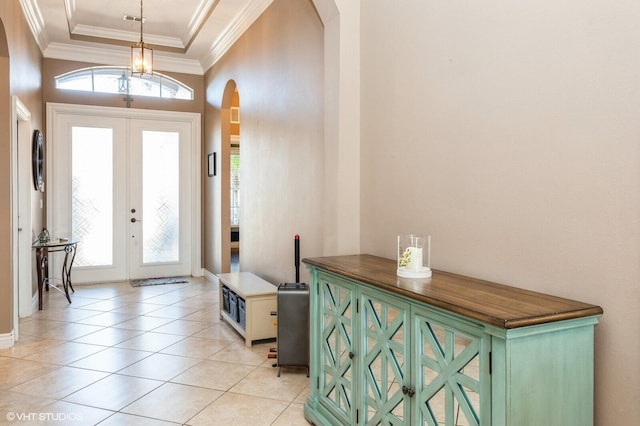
column 351, row 355
column 408, row 392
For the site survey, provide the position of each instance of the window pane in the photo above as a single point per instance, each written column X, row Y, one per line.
column 160, row 196
column 144, row 86
column 184, row 93
column 108, row 80
column 105, row 81
column 77, row 81
column 92, row 195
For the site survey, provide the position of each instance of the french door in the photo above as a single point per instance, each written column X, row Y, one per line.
column 125, row 185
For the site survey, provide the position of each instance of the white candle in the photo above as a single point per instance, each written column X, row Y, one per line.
column 415, row 261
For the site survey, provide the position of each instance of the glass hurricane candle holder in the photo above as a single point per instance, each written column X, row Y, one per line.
column 414, row 256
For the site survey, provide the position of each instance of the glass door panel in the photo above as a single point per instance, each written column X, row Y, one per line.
column 86, row 194
column 160, row 197
column 92, row 195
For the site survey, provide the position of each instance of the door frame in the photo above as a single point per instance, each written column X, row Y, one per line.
column 194, row 119
column 21, row 226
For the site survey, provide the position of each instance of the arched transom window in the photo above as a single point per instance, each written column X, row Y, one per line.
column 120, row 80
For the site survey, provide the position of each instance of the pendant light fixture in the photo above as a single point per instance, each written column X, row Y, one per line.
column 141, row 53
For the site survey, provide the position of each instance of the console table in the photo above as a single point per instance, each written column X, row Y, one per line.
column 42, row 265
column 443, row 350
column 253, row 301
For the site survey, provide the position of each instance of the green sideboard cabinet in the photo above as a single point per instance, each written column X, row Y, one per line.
column 447, row 350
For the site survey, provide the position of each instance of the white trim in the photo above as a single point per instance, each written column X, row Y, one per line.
column 210, row 276
column 129, row 36
column 203, row 10
column 70, row 12
column 121, row 57
column 34, row 18
column 143, row 114
column 199, row 18
column 250, row 13
column 196, row 201
column 6, row 340
column 21, row 293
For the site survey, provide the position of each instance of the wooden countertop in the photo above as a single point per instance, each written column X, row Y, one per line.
column 496, row 304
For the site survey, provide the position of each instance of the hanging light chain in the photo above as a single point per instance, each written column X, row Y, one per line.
column 141, row 21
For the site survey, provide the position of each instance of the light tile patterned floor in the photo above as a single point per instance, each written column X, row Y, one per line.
column 159, row 355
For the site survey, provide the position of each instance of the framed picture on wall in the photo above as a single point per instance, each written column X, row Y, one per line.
column 235, row 115
column 211, row 164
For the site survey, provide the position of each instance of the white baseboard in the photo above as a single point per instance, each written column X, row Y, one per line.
column 34, row 303
column 6, row 340
column 210, row 276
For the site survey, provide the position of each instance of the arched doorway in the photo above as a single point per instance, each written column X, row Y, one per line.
column 234, row 181
column 230, row 179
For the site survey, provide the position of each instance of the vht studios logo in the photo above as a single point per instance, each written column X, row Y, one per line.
column 44, row 417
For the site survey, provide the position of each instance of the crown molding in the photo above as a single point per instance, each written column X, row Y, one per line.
column 234, row 30
column 101, row 33
column 34, row 19
column 120, row 57
column 197, row 20
column 70, row 12
column 128, row 36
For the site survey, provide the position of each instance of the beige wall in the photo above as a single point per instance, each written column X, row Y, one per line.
column 23, row 80
column 277, row 66
column 509, row 132
column 6, row 293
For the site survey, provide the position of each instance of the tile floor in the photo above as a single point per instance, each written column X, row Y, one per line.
column 155, row 355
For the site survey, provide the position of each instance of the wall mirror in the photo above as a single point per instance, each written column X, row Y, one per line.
column 37, row 155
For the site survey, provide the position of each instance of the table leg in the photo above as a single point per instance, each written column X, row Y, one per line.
column 45, row 268
column 41, row 267
column 65, row 279
column 73, row 256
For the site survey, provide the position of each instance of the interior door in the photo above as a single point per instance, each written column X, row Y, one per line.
column 123, row 187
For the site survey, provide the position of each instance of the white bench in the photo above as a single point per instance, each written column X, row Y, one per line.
column 260, row 299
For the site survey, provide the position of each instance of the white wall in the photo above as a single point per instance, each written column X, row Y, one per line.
column 510, row 131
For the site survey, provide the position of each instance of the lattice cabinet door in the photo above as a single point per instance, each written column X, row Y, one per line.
column 337, row 305
column 451, row 372
column 385, row 355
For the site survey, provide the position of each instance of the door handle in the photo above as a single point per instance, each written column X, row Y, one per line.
column 134, row 220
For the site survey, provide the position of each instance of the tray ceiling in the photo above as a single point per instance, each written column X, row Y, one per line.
column 187, row 36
